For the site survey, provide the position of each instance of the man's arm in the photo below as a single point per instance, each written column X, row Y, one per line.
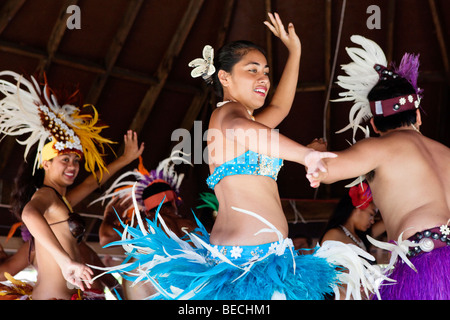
column 361, row 158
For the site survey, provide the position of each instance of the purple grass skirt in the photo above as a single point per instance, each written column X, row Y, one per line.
column 430, row 282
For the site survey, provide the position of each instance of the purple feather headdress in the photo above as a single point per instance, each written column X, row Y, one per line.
column 409, row 70
column 121, row 187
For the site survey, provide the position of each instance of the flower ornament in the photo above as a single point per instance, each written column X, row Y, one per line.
column 204, row 67
column 273, row 247
column 445, row 230
column 236, row 252
column 361, row 195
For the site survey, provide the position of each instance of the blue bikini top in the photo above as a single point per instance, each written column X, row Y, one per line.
column 251, row 163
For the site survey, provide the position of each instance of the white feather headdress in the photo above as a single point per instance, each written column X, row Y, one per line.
column 29, row 109
column 142, row 178
column 361, row 78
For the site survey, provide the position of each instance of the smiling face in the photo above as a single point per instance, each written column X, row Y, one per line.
column 63, row 169
column 248, row 82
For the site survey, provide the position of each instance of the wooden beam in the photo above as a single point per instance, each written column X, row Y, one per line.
column 9, row 10
column 310, row 210
column 227, row 14
column 194, row 109
column 114, row 50
column 390, row 30
column 327, row 68
column 199, row 100
column 89, row 66
column 269, row 46
column 165, row 66
column 441, row 38
column 55, row 38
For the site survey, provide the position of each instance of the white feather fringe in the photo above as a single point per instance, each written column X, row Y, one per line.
column 361, row 78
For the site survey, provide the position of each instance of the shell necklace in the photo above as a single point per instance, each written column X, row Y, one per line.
column 351, row 236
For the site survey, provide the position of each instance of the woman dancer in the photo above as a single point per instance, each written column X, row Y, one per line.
column 247, row 255
column 48, row 215
column 353, row 218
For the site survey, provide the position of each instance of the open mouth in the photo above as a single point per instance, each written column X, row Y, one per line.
column 70, row 175
column 261, row 91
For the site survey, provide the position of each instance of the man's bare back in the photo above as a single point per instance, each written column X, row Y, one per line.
column 409, row 178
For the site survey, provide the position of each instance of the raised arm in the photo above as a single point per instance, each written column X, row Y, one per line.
column 131, row 152
column 282, row 100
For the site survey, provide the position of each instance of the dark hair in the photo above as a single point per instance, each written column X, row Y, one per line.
column 388, row 89
column 155, row 188
column 340, row 215
column 25, row 184
column 228, row 56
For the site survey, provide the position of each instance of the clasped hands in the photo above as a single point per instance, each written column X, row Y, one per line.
column 316, row 168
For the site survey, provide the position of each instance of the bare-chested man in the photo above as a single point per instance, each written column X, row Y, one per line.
column 409, row 175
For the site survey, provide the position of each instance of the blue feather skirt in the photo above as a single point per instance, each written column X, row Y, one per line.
column 192, row 268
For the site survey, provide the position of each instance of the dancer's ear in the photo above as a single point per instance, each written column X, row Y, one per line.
column 224, row 78
column 374, row 127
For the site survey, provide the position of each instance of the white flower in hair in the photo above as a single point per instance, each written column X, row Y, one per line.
column 203, row 67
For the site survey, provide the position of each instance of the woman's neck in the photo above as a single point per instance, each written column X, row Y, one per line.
column 61, row 189
column 350, row 227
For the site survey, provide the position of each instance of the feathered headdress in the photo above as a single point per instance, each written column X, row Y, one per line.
column 151, row 187
column 368, row 68
column 361, row 195
column 29, row 109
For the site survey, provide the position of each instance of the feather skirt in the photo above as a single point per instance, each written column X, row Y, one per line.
column 192, row 268
column 430, row 282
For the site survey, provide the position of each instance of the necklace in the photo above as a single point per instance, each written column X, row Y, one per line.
column 251, row 115
column 350, row 235
column 219, row 104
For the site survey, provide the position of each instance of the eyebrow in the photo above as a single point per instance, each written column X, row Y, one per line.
column 257, row 63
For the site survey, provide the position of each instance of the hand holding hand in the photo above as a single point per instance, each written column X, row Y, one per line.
column 317, row 170
column 318, row 145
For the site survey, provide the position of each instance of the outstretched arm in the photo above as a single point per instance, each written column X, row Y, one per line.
column 131, row 152
column 282, row 100
column 360, row 159
column 251, row 135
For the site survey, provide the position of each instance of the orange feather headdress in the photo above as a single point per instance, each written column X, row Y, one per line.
column 28, row 108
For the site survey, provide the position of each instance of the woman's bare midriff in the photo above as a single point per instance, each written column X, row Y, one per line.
column 257, row 194
column 50, row 282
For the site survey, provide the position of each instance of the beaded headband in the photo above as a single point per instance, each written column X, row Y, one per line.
column 368, row 67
